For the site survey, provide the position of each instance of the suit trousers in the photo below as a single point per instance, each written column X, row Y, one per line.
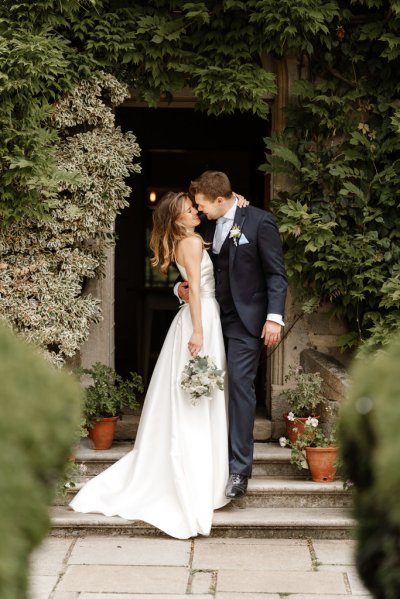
column 243, row 352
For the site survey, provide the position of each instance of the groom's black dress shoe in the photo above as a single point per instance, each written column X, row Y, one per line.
column 237, row 486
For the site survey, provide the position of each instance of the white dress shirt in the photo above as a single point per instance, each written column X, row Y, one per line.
column 225, row 223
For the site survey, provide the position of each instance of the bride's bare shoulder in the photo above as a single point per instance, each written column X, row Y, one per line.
column 192, row 243
column 189, row 249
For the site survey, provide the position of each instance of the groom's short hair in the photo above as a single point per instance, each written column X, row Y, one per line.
column 212, row 184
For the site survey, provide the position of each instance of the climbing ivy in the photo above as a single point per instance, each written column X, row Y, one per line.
column 341, row 147
column 218, row 48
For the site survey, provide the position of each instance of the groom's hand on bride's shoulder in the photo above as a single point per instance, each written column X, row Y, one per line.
column 242, row 202
column 183, row 291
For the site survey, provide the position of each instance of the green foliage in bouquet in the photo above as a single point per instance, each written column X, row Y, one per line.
column 41, row 409
column 109, row 393
column 200, row 377
column 370, row 448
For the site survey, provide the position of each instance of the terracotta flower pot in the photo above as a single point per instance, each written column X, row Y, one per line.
column 297, row 423
column 102, row 432
column 321, row 462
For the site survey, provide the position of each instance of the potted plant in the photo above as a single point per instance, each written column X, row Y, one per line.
column 303, row 398
column 314, row 450
column 105, row 399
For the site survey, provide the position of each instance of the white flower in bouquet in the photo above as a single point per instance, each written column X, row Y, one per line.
column 200, row 377
column 283, row 441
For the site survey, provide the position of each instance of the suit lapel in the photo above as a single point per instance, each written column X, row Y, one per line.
column 240, row 216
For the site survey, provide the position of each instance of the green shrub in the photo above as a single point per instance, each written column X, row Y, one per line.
column 45, row 264
column 306, row 394
column 109, row 393
column 40, row 415
column 370, row 447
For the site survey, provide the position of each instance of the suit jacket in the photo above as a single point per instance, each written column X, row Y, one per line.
column 256, row 271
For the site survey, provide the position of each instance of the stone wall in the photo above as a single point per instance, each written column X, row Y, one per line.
column 336, row 382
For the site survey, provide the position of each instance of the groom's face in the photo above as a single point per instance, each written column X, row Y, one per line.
column 213, row 209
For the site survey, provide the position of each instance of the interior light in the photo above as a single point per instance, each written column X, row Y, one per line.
column 153, row 196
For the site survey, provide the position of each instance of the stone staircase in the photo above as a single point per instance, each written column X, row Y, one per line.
column 280, row 502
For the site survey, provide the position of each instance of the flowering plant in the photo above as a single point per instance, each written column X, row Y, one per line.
column 108, row 394
column 306, row 394
column 312, row 436
column 200, row 376
column 235, row 234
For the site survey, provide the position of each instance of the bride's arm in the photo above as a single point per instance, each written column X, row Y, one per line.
column 192, row 253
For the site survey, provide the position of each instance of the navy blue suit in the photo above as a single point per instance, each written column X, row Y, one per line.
column 250, row 282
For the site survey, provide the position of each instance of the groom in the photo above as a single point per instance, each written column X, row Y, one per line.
column 250, row 287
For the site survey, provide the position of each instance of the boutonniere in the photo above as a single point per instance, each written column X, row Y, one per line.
column 235, row 234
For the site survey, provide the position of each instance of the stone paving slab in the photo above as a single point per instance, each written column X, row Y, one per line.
column 146, row 596
column 356, row 585
column 121, row 567
column 318, row 596
column 334, row 552
column 251, row 596
column 47, row 559
column 265, row 556
column 203, row 582
column 318, row 583
column 41, row 586
column 125, row 579
column 126, row 551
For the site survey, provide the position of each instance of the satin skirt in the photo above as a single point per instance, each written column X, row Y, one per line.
column 175, row 476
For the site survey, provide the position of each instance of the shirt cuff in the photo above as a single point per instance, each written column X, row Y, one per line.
column 176, row 287
column 276, row 318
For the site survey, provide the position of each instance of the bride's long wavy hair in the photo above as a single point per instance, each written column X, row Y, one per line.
column 167, row 230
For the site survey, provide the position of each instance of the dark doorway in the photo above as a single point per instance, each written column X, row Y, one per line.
column 177, row 145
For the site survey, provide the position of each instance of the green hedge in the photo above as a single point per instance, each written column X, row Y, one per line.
column 370, row 446
column 40, row 414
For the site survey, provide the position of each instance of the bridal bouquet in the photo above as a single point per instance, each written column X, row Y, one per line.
column 199, row 377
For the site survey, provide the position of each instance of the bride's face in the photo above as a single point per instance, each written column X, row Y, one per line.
column 189, row 216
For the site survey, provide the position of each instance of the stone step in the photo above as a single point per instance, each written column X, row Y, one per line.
column 127, row 428
column 278, row 492
column 270, row 460
column 230, row 521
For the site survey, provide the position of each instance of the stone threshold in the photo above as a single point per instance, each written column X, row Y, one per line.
column 230, row 521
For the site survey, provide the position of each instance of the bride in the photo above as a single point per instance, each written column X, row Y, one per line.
column 175, row 476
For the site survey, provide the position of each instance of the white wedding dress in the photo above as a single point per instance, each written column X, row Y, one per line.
column 175, row 476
